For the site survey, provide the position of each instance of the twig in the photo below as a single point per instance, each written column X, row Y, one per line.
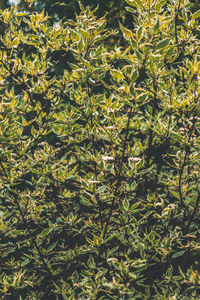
column 119, row 175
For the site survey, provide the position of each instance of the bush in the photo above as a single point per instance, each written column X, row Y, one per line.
column 99, row 158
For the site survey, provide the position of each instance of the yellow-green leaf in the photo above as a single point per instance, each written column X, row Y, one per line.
column 135, row 3
column 126, row 32
column 196, row 15
column 117, row 74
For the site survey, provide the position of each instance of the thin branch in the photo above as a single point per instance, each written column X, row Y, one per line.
column 119, row 174
column 30, row 234
column 180, row 188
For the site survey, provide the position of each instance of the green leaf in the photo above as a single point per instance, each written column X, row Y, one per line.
column 178, row 254
column 126, row 205
column 134, row 43
column 134, row 75
column 139, row 55
column 102, row 76
column 134, row 206
column 25, row 262
column 162, row 44
column 81, row 45
column 75, row 277
column 91, row 263
column 53, row 245
column 132, row 91
column 47, row 263
column 71, row 173
column 101, row 189
column 126, row 32
column 86, row 201
column 151, row 236
column 175, row 194
column 156, row 27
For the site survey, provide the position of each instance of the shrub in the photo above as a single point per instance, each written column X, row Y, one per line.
column 99, row 158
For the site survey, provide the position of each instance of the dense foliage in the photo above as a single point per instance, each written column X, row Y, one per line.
column 113, row 9
column 99, row 155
